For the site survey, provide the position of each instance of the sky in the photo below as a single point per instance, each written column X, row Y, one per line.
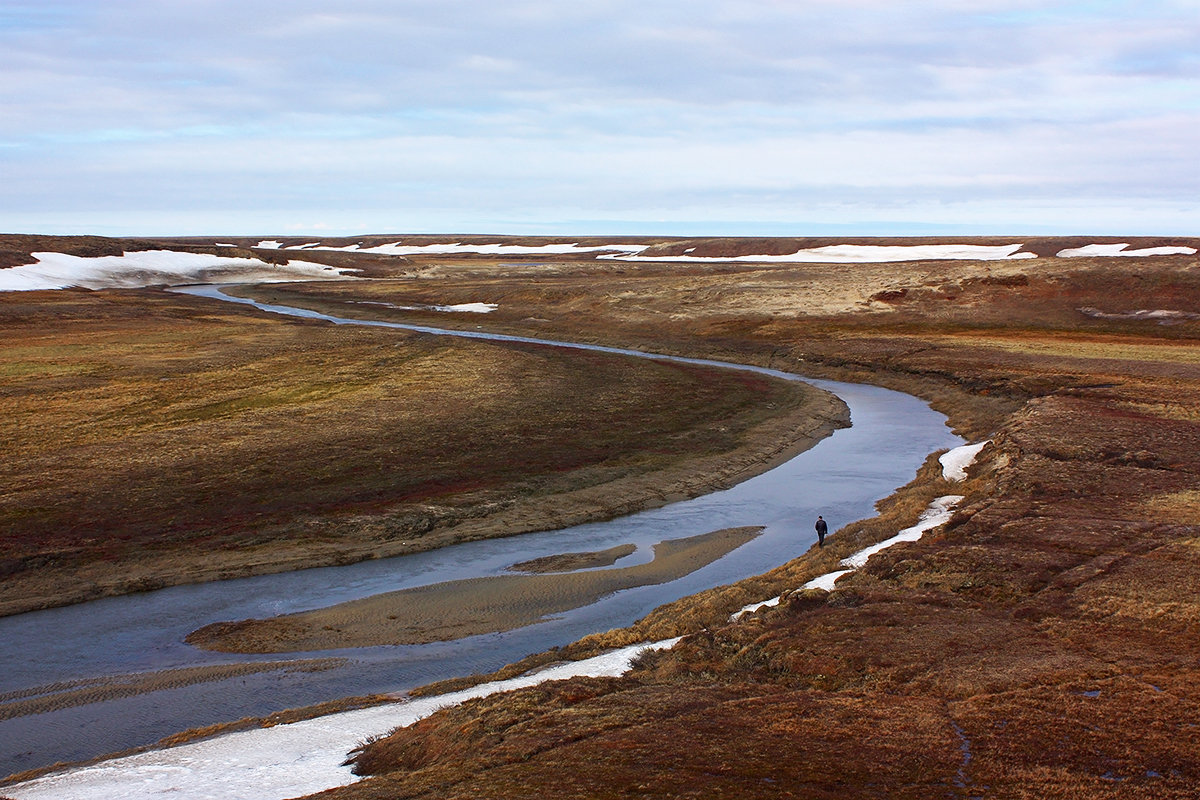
column 602, row 117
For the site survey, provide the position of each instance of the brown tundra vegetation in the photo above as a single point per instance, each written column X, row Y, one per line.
column 153, row 439
column 1045, row 642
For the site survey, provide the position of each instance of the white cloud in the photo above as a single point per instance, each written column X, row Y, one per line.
column 464, row 113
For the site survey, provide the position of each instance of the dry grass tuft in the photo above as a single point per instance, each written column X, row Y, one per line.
column 1182, row 507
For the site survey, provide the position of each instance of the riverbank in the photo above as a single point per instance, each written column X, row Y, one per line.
column 1035, row 644
column 264, row 748
column 194, row 482
column 892, row 433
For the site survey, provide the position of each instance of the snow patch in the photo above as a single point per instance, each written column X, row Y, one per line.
column 472, row 308
column 955, row 462
column 827, row 580
column 861, row 254
column 750, row 609
column 1161, row 316
column 458, row 248
column 152, row 268
column 938, row 513
column 269, row 244
column 286, row 760
column 1114, row 250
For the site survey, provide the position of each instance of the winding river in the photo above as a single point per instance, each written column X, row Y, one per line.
column 841, row 477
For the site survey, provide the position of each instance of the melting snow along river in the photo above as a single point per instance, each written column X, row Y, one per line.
column 841, row 477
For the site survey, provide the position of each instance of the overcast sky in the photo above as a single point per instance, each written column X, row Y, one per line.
column 786, row 117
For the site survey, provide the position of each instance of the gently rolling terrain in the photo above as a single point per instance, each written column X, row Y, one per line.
column 155, row 439
column 1044, row 642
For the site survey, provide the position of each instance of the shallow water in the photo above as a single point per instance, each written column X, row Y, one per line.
column 841, row 477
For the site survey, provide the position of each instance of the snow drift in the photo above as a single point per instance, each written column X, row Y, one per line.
column 153, row 268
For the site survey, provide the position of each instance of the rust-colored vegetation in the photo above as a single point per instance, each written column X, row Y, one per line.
column 1044, row 643
column 153, row 438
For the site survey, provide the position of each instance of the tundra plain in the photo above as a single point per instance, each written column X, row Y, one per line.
column 1045, row 641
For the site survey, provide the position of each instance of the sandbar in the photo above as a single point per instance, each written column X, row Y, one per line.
column 454, row 609
column 568, row 562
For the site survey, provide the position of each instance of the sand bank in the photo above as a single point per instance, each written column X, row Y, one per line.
column 568, row 562
column 454, row 609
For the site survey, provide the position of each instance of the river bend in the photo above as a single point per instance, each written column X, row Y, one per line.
column 842, row 477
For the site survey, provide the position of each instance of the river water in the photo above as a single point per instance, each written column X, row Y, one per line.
column 841, row 478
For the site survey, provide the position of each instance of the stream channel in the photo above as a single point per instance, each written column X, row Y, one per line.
column 842, row 477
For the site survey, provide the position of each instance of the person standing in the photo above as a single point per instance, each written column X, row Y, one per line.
column 822, row 529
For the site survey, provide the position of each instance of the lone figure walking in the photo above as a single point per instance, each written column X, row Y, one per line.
column 822, row 529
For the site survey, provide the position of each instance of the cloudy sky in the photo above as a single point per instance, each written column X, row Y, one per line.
column 786, row 117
